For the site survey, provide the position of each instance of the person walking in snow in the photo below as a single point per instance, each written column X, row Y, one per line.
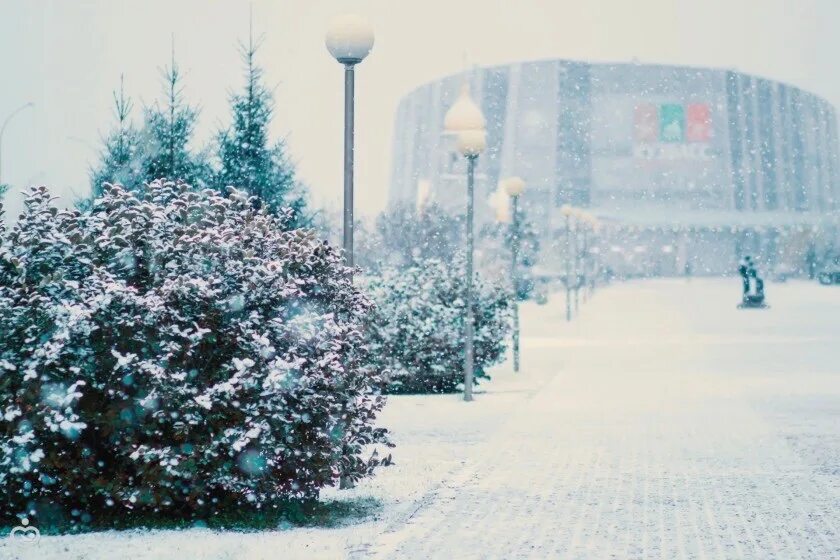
column 743, row 270
column 752, row 272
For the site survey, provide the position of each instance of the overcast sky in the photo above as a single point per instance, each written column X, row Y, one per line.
column 67, row 57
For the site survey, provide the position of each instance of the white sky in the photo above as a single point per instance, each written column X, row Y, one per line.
column 67, row 56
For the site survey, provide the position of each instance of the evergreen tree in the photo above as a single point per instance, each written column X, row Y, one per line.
column 167, row 134
column 121, row 159
column 248, row 161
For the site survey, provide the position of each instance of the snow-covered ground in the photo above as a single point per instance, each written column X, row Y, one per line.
column 663, row 423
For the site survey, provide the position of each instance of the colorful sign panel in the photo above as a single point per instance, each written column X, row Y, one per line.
column 647, row 119
column 671, row 123
column 673, row 131
column 699, row 123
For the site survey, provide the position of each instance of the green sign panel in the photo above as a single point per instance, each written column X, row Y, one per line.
column 672, row 123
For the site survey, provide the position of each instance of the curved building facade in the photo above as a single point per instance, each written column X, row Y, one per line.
column 641, row 145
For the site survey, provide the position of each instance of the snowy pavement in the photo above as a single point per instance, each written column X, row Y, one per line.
column 663, row 423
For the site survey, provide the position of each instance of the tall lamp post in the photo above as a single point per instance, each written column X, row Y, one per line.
column 514, row 187
column 584, row 256
column 3, row 130
column 465, row 120
column 567, row 212
column 349, row 40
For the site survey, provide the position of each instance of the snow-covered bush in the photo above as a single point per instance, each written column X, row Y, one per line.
column 176, row 352
column 404, row 235
column 418, row 327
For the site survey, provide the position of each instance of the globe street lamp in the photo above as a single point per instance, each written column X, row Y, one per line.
column 3, row 130
column 465, row 120
column 514, row 187
column 567, row 211
column 349, row 39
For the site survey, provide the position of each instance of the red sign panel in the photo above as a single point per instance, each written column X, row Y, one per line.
column 699, row 125
column 647, row 123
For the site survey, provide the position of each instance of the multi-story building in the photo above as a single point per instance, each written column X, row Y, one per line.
column 740, row 159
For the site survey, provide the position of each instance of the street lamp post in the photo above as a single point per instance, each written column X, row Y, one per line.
column 593, row 251
column 349, row 40
column 465, row 120
column 578, row 215
column 567, row 212
column 3, row 130
column 584, row 258
column 588, row 223
column 514, row 187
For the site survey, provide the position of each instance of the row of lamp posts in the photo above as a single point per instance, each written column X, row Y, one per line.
column 349, row 40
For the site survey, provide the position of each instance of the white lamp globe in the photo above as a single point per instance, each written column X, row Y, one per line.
column 464, row 114
column 514, row 186
column 471, row 142
column 349, row 38
column 567, row 210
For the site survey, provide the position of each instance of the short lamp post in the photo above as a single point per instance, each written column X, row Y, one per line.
column 466, row 121
column 589, row 224
column 349, row 40
column 514, row 187
column 584, row 256
column 596, row 266
column 592, row 253
column 579, row 216
column 568, row 212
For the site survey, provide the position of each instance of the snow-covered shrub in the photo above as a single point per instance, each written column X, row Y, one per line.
column 418, row 327
column 176, row 352
column 404, row 234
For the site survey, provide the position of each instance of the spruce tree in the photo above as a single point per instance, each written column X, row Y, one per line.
column 168, row 130
column 121, row 161
column 248, row 161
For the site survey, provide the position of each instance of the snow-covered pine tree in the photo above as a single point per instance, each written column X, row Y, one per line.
column 248, row 160
column 167, row 133
column 121, row 161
